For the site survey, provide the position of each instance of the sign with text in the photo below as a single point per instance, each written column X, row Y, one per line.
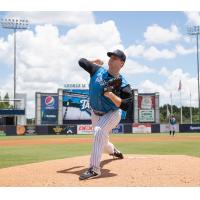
column 84, row 129
column 49, row 109
column 146, row 108
column 146, row 115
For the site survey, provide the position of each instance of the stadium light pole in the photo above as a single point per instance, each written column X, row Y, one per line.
column 14, row 24
column 195, row 30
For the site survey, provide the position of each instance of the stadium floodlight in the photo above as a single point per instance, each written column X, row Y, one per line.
column 14, row 24
column 195, row 30
column 11, row 23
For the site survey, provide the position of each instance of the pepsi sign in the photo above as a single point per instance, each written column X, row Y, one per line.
column 49, row 109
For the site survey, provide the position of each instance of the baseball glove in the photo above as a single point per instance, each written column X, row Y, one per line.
column 113, row 85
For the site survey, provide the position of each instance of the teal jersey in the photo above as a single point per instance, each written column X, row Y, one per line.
column 172, row 121
column 98, row 101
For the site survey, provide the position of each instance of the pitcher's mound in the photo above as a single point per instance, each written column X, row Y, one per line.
column 133, row 170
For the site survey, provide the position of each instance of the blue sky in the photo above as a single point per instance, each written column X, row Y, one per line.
column 132, row 25
column 159, row 51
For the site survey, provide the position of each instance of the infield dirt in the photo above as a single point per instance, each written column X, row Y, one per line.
column 133, row 170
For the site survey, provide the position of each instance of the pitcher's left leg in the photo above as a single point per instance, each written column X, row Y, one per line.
column 112, row 150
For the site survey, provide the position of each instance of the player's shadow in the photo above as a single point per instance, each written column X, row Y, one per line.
column 104, row 172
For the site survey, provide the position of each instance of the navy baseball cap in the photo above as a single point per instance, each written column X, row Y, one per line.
column 120, row 54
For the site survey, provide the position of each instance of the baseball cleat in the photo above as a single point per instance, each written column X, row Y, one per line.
column 117, row 154
column 89, row 174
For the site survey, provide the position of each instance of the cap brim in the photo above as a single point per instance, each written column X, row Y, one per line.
column 109, row 54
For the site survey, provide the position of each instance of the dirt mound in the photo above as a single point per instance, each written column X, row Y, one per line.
column 134, row 170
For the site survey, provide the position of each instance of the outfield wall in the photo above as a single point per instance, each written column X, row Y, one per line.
column 128, row 128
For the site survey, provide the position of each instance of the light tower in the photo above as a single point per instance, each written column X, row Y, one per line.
column 195, row 30
column 14, row 24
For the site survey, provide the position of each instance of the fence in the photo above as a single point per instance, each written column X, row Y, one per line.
column 128, row 128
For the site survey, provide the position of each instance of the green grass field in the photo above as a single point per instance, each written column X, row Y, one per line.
column 24, row 154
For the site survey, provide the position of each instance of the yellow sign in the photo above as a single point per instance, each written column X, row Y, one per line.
column 57, row 130
column 20, row 130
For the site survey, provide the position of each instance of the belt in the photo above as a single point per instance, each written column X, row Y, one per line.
column 99, row 113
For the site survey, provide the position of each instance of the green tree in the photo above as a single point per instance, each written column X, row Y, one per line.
column 6, row 103
column 177, row 111
column 1, row 103
column 6, row 99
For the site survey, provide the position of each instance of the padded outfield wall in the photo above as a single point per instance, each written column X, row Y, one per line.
column 122, row 128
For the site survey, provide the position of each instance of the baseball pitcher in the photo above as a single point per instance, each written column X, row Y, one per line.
column 109, row 92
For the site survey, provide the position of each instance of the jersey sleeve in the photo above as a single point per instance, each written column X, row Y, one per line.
column 88, row 66
column 126, row 96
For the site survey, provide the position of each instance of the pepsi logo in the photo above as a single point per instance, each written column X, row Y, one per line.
column 49, row 101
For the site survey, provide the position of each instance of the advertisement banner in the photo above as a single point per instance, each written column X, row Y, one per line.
column 146, row 102
column 20, row 130
column 190, row 128
column 62, row 129
column 164, row 128
column 84, row 129
column 49, row 109
column 141, row 128
column 55, row 130
column 70, row 129
column 146, row 108
column 146, row 115
column 30, row 130
column 118, row 129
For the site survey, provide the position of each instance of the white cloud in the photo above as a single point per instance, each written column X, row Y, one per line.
column 184, row 51
column 149, row 86
column 151, row 53
column 135, row 50
column 189, row 84
column 54, row 17
column 46, row 60
column 156, row 34
column 193, row 18
column 132, row 67
column 6, row 46
column 164, row 72
column 87, row 35
column 187, row 39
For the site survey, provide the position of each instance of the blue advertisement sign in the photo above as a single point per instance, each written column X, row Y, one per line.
column 49, row 109
column 118, row 129
column 189, row 128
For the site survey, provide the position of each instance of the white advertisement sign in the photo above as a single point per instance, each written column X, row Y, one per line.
column 84, row 129
column 141, row 128
column 164, row 128
column 146, row 115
